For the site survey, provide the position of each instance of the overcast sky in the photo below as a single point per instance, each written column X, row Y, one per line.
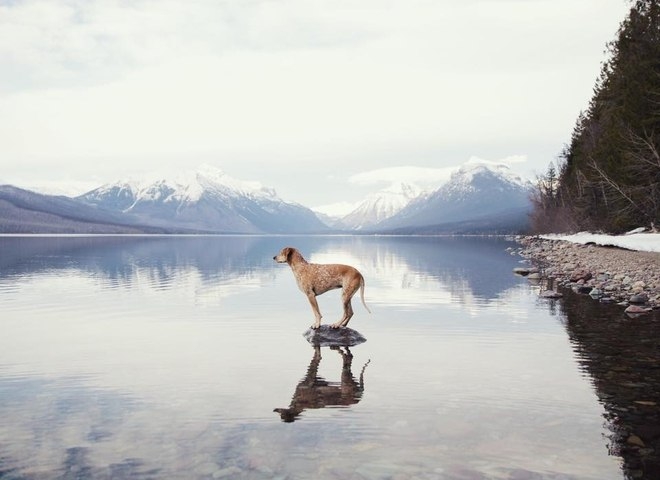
column 323, row 100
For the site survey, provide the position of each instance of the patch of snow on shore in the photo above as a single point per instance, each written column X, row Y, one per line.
column 643, row 242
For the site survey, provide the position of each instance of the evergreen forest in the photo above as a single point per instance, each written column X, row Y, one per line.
column 607, row 177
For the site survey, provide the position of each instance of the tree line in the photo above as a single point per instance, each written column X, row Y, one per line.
column 607, row 177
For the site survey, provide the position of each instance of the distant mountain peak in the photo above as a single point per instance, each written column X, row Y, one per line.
column 206, row 199
column 469, row 169
column 381, row 205
column 479, row 192
column 188, row 186
column 210, row 175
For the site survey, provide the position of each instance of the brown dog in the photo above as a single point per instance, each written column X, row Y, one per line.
column 314, row 279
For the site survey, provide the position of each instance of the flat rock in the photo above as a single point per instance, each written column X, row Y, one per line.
column 551, row 294
column 640, row 298
column 326, row 336
column 636, row 441
column 636, row 310
column 524, row 271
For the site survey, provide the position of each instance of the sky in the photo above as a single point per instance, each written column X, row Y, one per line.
column 323, row 100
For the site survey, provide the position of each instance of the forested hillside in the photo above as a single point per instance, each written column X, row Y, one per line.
column 608, row 175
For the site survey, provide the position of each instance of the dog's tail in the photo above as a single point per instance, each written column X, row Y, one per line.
column 362, row 374
column 362, row 294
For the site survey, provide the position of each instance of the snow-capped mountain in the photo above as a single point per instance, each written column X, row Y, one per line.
column 206, row 199
column 24, row 211
column 381, row 205
column 478, row 194
column 480, row 197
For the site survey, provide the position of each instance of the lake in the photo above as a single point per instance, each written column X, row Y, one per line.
column 166, row 357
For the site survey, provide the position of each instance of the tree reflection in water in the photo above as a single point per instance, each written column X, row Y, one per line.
column 622, row 357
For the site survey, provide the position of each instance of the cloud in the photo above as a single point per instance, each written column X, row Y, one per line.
column 338, row 209
column 92, row 85
column 406, row 174
column 423, row 176
column 510, row 160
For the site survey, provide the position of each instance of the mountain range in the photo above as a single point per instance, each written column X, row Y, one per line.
column 478, row 198
column 207, row 200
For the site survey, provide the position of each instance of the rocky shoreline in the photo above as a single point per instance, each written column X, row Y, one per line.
column 609, row 275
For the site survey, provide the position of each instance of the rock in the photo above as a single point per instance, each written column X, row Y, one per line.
column 639, row 284
column 551, row 294
column 534, row 276
column 596, row 293
column 639, row 298
column 580, row 274
column 524, row 271
column 326, row 336
column 636, row 310
column 635, row 440
column 584, row 289
column 620, row 274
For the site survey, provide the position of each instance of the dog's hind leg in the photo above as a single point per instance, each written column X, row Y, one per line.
column 348, row 308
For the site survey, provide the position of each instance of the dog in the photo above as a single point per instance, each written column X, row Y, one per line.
column 315, row 392
column 314, row 279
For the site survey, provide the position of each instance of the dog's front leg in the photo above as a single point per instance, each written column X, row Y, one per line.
column 315, row 308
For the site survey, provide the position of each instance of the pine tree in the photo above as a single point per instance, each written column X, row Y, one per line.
column 609, row 174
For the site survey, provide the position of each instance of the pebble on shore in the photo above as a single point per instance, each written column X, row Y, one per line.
column 607, row 274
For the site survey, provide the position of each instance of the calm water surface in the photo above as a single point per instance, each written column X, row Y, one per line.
column 155, row 357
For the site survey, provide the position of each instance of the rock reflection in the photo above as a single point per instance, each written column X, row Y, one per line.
column 622, row 357
column 315, row 392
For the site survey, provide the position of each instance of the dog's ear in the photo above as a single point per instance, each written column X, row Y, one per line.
column 288, row 252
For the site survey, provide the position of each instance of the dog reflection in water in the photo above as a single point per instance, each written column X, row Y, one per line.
column 315, row 392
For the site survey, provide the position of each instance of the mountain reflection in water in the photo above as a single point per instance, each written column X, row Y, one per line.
column 473, row 267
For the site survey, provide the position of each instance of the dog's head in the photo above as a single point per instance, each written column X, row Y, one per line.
column 285, row 255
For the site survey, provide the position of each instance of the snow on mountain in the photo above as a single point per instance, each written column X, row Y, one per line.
column 206, row 199
column 184, row 187
column 381, row 205
column 473, row 176
column 477, row 193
